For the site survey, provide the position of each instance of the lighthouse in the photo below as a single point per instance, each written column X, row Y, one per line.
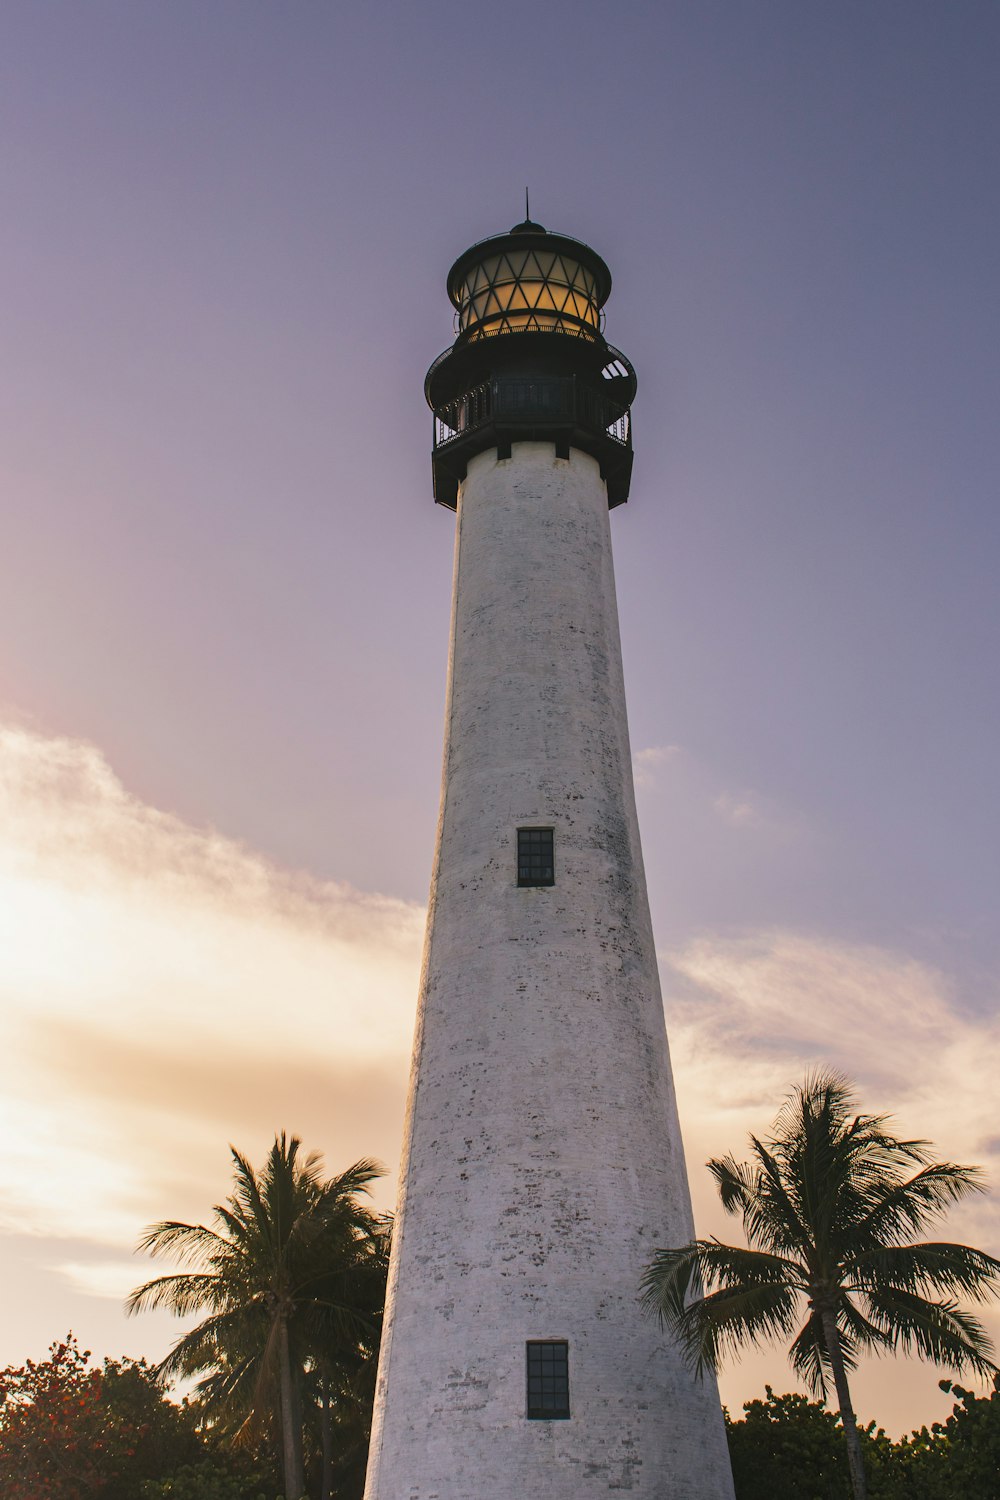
column 543, row 1160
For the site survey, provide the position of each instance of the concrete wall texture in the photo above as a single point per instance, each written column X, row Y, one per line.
column 543, row 1159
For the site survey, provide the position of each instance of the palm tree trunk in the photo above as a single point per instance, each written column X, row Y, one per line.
column 855, row 1459
column 291, row 1429
column 326, row 1419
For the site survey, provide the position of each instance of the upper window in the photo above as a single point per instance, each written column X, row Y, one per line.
column 548, row 1379
column 535, row 863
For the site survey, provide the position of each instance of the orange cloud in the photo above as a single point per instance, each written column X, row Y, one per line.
column 748, row 1017
column 165, row 990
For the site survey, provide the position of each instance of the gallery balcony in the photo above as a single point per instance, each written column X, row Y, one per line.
column 562, row 409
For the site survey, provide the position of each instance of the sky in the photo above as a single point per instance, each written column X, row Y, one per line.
column 224, row 586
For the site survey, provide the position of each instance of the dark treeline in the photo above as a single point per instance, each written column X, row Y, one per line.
column 791, row 1448
column 74, row 1430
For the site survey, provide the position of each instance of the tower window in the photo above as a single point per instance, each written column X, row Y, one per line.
column 535, row 864
column 548, row 1379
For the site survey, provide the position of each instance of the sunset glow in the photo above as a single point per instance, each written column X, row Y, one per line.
column 225, row 588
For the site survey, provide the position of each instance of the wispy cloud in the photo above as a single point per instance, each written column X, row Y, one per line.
column 749, row 1015
column 163, row 990
column 646, row 763
column 113, row 1279
column 739, row 811
column 677, row 772
column 784, row 999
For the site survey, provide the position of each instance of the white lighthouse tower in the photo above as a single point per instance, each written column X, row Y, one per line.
column 543, row 1158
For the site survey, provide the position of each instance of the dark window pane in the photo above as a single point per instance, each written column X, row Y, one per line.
column 535, row 863
column 548, row 1379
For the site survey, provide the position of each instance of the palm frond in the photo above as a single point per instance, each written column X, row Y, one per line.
column 217, row 1339
column 939, row 1331
column 674, row 1275
column 856, row 1330
column 230, row 1392
column 189, row 1242
column 897, row 1209
column 239, row 1227
column 713, row 1297
column 726, row 1320
column 808, row 1354
column 180, row 1293
column 355, row 1178
column 247, row 1201
column 774, row 1216
column 737, row 1183
column 929, row 1267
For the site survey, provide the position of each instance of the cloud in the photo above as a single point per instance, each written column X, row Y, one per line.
column 674, row 770
column 748, row 1016
column 646, row 763
column 739, row 811
column 784, row 1000
column 164, row 990
column 113, row 1279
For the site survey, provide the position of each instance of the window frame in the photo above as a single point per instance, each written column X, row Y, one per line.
column 529, row 882
column 538, row 1413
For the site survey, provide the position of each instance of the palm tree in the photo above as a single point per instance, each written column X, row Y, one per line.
column 830, row 1204
column 341, row 1384
column 287, row 1274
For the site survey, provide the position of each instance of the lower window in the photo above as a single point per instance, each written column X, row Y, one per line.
column 548, row 1379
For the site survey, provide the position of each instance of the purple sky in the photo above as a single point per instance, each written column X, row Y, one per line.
column 223, row 246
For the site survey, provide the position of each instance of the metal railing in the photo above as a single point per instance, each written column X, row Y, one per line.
column 541, row 402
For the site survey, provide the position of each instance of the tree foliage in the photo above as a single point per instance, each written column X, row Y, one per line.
column 787, row 1446
column 958, row 1457
column 831, row 1205
column 72, row 1430
column 292, row 1276
column 791, row 1448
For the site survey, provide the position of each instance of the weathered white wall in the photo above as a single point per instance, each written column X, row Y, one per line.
column 544, row 1156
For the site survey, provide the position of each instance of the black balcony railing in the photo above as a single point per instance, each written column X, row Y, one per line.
column 544, row 402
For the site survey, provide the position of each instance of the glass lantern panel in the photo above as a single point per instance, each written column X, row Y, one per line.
column 516, row 261
column 546, row 298
column 528, row 289
column 566, row 271
column 504, row 271
column 580, row 307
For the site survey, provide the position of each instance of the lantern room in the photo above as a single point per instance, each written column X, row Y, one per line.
column 529, row 281
column 530, row 361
